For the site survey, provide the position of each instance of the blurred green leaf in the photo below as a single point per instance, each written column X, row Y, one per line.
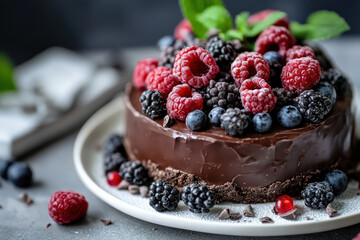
column 260, row 26
column 215, row 17
column 6, row 74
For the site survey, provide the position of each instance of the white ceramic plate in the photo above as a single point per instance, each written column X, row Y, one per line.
column 88, row 163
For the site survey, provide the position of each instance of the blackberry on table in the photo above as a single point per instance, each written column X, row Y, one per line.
column 163, row 196
column 221, row 94
column 313, row 105
column 153, row 104
column 284, row 98
column 199, row 199
column 113, row 162
column 318, row 195
column 114, row 144
column 134, row 173
column 234, row 121
column 168, row 54
column 223, row 52
column 336, row 78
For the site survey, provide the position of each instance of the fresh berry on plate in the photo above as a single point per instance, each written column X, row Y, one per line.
column 183, row 30
column 4, row 166
column 327, row 90
column 248, row 65
column 318, row 195
column 262, row 15
column 289, row 116
column 67, row 207
column 284, row 204
column 163, row 196
column 274, row 38
column 161, row 79
column 114, row 144
column 153, row 104
column 134, row 173
column 235, row 121
column 113, row 178
column 196, row 120
column 262, row 122
column 199, row 199
column 112, row 162
column 299, row 52
column 165, row 41
column 20, row 174
column 182, row 100
column 257, row 96
column 300, row 74
column 195, row 66
column 313, row 106
column 142, row 69
column 223, row 52
column 215, row 115
column 338, row 181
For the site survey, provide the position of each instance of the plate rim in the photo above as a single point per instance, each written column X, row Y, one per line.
column 225, row 228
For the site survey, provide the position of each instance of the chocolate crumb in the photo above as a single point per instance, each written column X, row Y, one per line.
column 144, row 190
column 358, row 193
column 0, row 207
column 235, row 216
column 48, row 225
column 266, row 220
column 98, row 148
column 134, row 189
column 29, row 201
column 290, row 215
column 225, row 214
column 154, row 229
column 168, row 121
column 248, row 211
column 24, row 197
column 123, row 185
column 332, row 212
column 274, row 211
column 106, row 222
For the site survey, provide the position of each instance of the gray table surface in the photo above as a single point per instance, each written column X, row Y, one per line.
column 54, row 170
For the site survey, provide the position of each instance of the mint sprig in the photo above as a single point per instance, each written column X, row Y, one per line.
column 320, row 25
column 6, row 74
column 215, row 17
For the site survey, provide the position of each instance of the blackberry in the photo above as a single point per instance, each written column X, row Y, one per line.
column 318, row 195
column 221, row 94
column 199, row 199
column 168, row 54
column 313, row 105
column 336, row 78
column 284, row 98
column 134, row 173
column 114, row 144
column 113, row 162
column 153, row 104
column 223, row 52
column 234, row 121
column 163, row 196
column 224, row 77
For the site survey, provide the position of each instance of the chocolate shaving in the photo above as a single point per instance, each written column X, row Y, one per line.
column 144, row 190
column 225, row 214
column 106, row 222
column 309, row 218
column 290, row 215
column 358, row 193
column 0, row 207
column 168, row 121
column 48, row 225
column 123, row 185
column 274, row 211
column 24, row 197
column 134, row 189
column 29, row 201
column 248, row 211
column 154, row 229
column 332, row 212
column 266, row 220
column 235, row 216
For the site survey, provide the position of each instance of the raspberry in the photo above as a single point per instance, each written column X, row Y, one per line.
column 223, row 52
column 248, row 65
column 256, row 95
column 299, row 52
column 182, row 100
column 161, row 79
column 142, row 69
column 300, row 74
column 274, row 38
column 67, row 207
column 183, row 30
column 284, row 204
column 195, row 66
column 262, row 15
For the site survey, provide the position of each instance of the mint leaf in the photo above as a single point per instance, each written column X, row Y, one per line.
column 320, row 25
column 191, row 9
column 260, row 26
column 6, row 74
column 215, row 17
column 241, row 22
column 231, row 35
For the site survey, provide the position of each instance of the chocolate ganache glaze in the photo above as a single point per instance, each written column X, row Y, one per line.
column 252, row 161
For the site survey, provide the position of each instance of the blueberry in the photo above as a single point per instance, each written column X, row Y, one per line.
column 275, row 60
column 338, row 180
column 289, row 116
column 262, row 122
column 196, row 120
column 4, row 166
column 165, row 41
column 327, row 90
column 20, row 174
column 215, row 115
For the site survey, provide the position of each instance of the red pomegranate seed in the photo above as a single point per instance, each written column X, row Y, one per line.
column 284, row 204
column 113, row 178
